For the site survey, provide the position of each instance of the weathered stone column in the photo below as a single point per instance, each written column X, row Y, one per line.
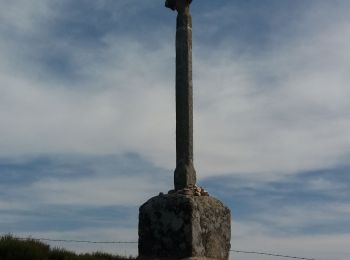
column 186, row 223
column 185, row 174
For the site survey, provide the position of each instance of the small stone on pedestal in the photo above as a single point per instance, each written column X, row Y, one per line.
column 178, row 226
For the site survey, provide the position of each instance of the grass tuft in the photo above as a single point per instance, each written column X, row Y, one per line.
column 12, row 248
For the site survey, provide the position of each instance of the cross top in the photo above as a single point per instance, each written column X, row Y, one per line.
column 179, row 5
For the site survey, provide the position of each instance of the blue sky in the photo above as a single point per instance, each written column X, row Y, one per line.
column 87, row 115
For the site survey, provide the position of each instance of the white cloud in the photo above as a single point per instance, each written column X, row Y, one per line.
column 299, row 217
column 97, row 191
column 255, row 236
column 320, row 247
column 281, row 112
column 20, row 16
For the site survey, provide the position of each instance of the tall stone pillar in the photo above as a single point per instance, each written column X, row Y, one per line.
column 185, row 174
column 186, row 223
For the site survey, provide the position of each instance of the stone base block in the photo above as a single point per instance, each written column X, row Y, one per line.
column 176, row 226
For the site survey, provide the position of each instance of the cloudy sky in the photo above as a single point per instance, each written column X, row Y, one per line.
column 87, row 119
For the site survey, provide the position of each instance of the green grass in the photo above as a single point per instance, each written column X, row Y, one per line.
column 12, row 248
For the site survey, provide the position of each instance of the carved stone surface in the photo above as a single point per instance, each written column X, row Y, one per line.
column 176, row 226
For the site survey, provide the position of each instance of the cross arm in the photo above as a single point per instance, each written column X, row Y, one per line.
column 176, row 4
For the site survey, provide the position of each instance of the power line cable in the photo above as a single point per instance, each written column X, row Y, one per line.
column 134, row 242
column 269, row 254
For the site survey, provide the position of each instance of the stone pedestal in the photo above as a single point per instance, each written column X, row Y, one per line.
column 177, row 226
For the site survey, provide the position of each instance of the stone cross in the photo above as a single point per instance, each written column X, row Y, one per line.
column 185, row 174
column 186, row 224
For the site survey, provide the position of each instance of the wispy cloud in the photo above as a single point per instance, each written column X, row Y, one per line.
column 283, row 110
column 319, row 247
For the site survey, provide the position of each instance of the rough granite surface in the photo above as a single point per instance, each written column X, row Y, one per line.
column 176, row 226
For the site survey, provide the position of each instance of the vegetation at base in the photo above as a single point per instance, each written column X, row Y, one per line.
column 12, row 248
